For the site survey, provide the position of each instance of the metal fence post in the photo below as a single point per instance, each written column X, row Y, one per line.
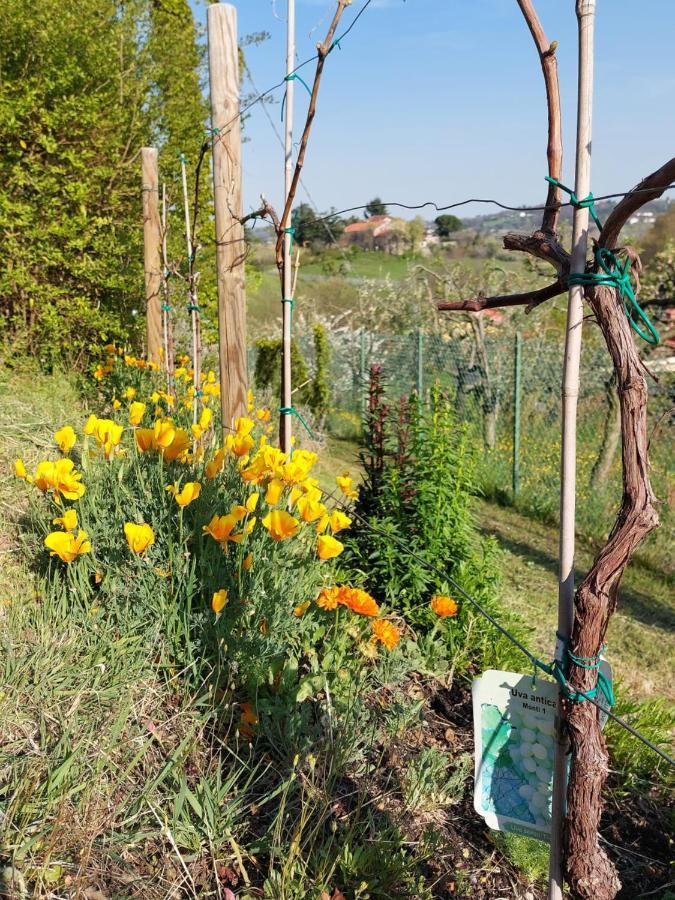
column 363, row 379
column 517, row 369
column 420, row 364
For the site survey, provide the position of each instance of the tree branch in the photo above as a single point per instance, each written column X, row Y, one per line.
column 322, row 52
column 650, row 188
column 554, row 151
column 529, row 298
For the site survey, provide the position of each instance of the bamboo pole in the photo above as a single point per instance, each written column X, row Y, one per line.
column 286, row 419
column 517, row 385
column 230, row 249
column 193, row 304
column 151, row 252
column 585, row 10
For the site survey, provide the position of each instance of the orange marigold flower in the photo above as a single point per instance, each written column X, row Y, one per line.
column 386, row 633
column 328, row 598
column 443, row 606
column 359, row 601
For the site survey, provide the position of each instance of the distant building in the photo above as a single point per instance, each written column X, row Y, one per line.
column 374, row 233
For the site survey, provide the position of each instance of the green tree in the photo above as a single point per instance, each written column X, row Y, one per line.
column 415, row 229
column 85, row 84
column 446, row 225
column 375, row 208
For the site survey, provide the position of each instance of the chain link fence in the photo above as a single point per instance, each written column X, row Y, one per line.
column 507, row 392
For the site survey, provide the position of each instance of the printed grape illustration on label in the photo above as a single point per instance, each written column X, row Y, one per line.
column 514, row 730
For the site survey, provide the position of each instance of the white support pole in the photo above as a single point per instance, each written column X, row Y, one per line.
column 286, row 422
column 166, row 320
column 192, row 294
column 585, row 10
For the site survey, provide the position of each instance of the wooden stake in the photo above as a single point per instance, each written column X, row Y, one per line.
column 230, row 249
column 152, row 252
column 585, row 10
column 286, row 419
column 166, row 307
column 193, row 298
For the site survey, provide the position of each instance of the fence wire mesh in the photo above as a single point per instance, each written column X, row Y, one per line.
column 507, row 392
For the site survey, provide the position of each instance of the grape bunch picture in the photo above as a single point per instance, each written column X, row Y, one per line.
column 517, row 764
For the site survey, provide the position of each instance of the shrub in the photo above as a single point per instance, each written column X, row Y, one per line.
column 419, row 487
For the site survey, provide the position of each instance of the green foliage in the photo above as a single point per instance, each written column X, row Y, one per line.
column 375, row 208
column 419, row 486
column 447, row 225
column 267, row 374
column 84, row 85
column 319, row 398
column 313, row 229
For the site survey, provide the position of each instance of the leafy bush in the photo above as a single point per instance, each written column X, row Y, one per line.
column 419, row 488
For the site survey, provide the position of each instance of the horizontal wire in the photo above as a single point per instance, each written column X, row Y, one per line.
column 507, row 634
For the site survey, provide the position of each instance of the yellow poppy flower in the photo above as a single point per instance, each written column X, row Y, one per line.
column 196, row 430
column 65, row 438
column 130, row 393
column 116, row 403
column 20, row 469
column 252, row 501
column 136, row 412
column 139, row 537
column 328, row 547
column 214, row 466
column 298, row 467
column 90, row 424
column 179, row 447
column 221, row 527
column 67, row 546
column 68, row 521
column 239, row 444
column 263, row 415
column 344, row 482
column 205, row 418
column 164, row 432
column 250, row 400
column 280, row 524
column 385, row 633
column 248, row 562
column 444, row 607
column 219, row 600
column 60, row 477
column 145, row 439
column 190, row 491
column 310, row 510
column 338, row 521
column 273, row 492
column 302, row 609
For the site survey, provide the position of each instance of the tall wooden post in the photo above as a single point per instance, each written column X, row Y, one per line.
column 230, row 249
column 152, row 252
column 193, row 305
column 570, row 393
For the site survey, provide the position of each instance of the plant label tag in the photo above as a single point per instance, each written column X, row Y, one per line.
column 514, row 730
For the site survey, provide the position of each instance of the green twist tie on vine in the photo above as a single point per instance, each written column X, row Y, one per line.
column 587, row 203
column 290, row 230
column 293, row 76
column 199, row 393
column 617, row 275
column 166, row 307
column 182, row 159
column 292, row 411
column 336, row 43
column 193, row 307
column 556, row 670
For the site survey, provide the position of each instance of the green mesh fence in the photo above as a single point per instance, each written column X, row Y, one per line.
column 516, row 422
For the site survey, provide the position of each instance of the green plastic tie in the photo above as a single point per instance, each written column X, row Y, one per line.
column 336, row 43
column 290, row 230
column 617, row 275
column 182, row 159
column 166, row 307
column 199, row 393
column 292, row 411
column 293, row 77
column 193, row 307
column 587, row 203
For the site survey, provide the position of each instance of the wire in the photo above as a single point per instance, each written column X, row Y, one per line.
column 498, row 203
column 280, row 84
column 507, row 634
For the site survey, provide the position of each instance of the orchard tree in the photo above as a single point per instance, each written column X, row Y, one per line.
column 446, row 225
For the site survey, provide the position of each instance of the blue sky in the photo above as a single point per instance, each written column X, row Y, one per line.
column 444, row 99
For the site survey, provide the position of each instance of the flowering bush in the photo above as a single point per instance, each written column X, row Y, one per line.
column 231, row 548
